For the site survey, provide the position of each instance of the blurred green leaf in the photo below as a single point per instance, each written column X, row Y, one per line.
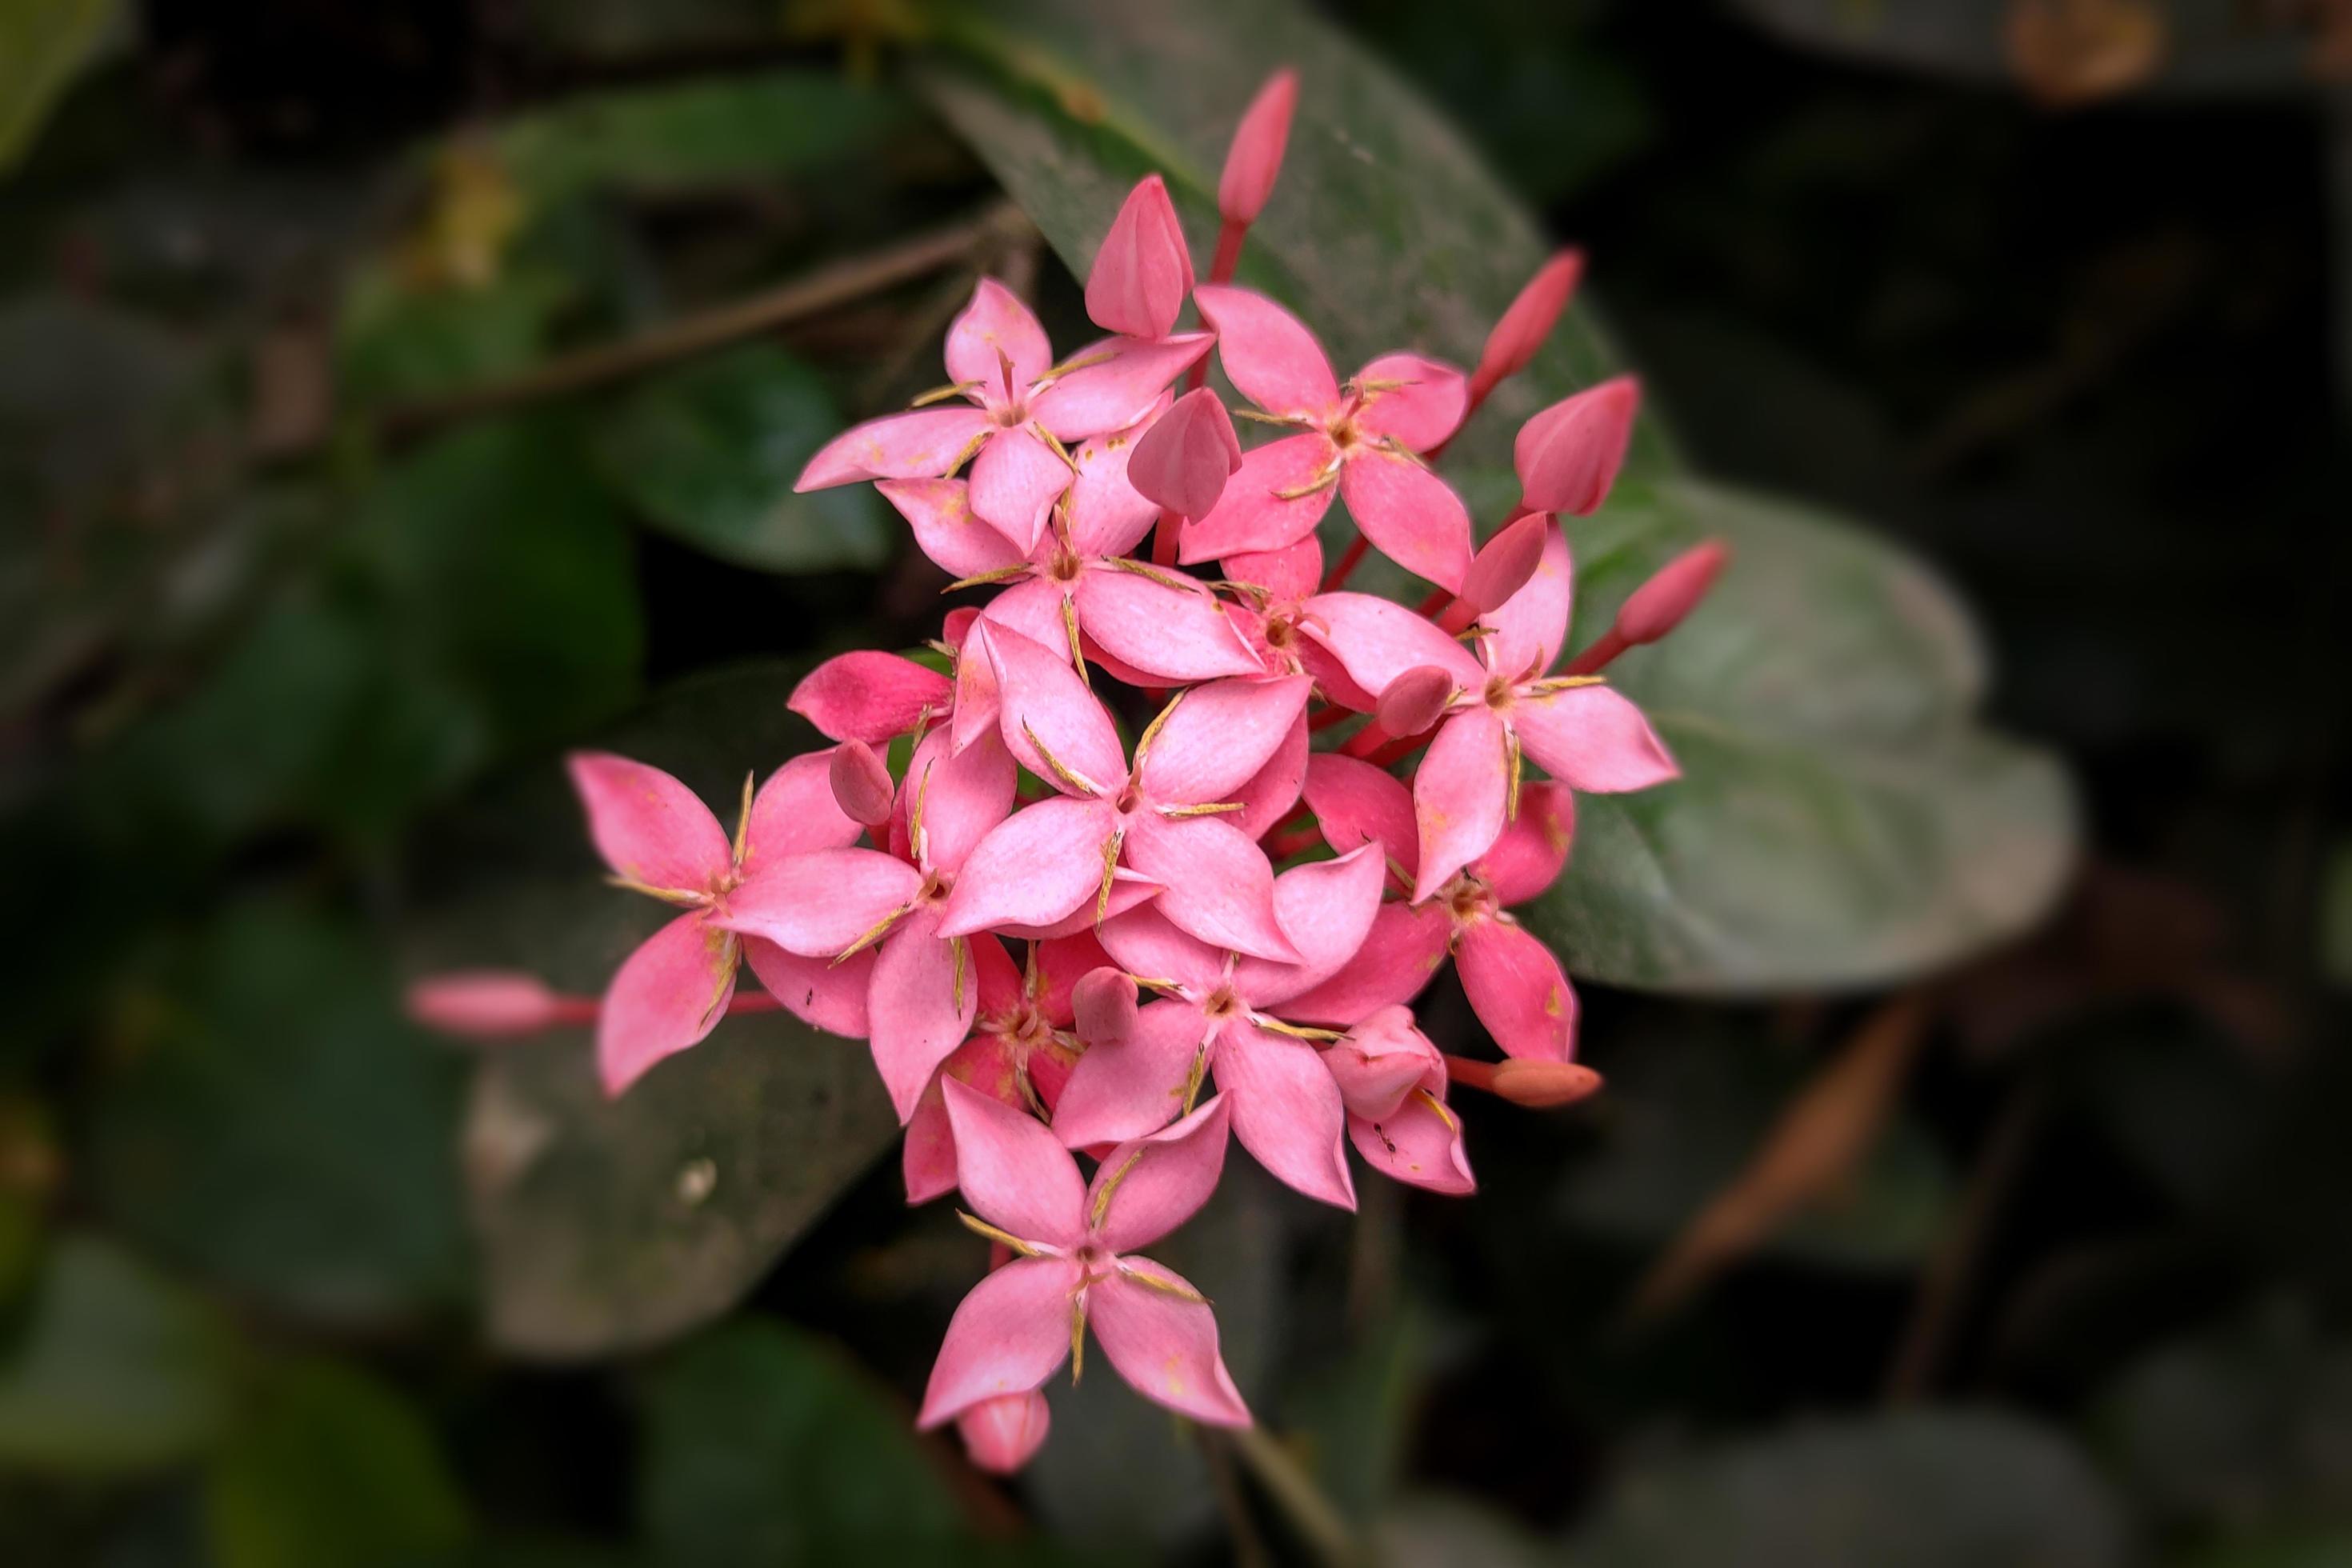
column 2335, row 915
column 1842, row 820
column 1431, row 1527
column 43, row 43
column 275, row 1123
column 1924, row 1489
column 326, row 1465
column 116, row 1369
column 400, row 338
column 766, row 1447
column 710, row 452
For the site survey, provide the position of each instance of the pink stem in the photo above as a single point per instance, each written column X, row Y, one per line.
column 1325, row 718
column 1282, row 846
column 1606, row 647
column 1163, row 539
column 1220, row 270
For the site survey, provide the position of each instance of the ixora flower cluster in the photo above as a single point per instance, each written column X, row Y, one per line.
column 1059, row 943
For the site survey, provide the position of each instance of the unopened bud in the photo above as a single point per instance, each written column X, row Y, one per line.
column 1382, row 1060
column 1568, row 455
column 1521, row 332
column 1182, row 461
column 1658, row 606
column 1104, row 1001
column 1506, row 564
column 1001, row 1433
column 1541, row 1085
column 1415, row 700
column 861, row 784
column 1256, row 157
column 485, row 1003
column 1142, row 272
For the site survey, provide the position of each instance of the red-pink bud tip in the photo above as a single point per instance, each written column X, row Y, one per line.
column 1567, row 455
column 1143, row 271
column 485, row 1003
column 1658, row 606
column 1002, row 1433
column 1521, row 332
column 1414, row 701
column 1256, row 157
column 1503, row 567
column 1540, row 1085
column 1182, row 461
column 861, row 784
column 1104, row 1001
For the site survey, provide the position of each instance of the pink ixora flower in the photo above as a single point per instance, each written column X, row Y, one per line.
column 1161, row 817
column 1393, row 1083
column 1023, row 411
column 1226, row 1015
column 1363, row 441
column 660, row 841
column 1075, row 1268
column 1515, row 983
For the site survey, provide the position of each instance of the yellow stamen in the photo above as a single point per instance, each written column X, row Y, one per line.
column 1102, row 1198
column 873, row 933
column 1295, row 1031
column 683, row 897
column 1077, row 1337
column 1111, row 848
column 1210, row 810
column 1070, row 630
column 981, row 1226
column 1297, row 421
column 1152, row 730
column 1439, row 1106
column 971, row 449
column 1165, row 579
column 941, row 394
column 1070, row 367
column 730, row 954
column 1193, row 1077
column 916, row 837
column 1165, row 1286
column 1059, row 450
column 1517, row 765
column 1322, row 481
column 743, row 823
column 1550, row 684
column 1076, row 781
column 956, row 947
column 993, row 574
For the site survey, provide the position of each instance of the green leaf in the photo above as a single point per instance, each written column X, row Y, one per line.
column 275, row 1123
column 1927, row 1489
column 709, row 453
column 326, row 1465
column 2335, row 915
column 400, row 339
column 115, row 1370
column 765, row 1447
column 1841, row 820
column 43, row 43
column 605, row 1224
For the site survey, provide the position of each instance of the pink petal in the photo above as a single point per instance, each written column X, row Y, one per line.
column 962, row 796
column 817, row 991
column 1286, row 1109
column 1255, row 159
column 1268, row 353
column 1144, row 943
column 997, row 321
column 1000, row 981
column 862, row 785
column 1253, row 515
column 667, row 995
column 1419, row 1144
column 794, row 812
column 1287, row 574
column 1459, row 795
column 1061, row 964
column 1016, row 1174
column 1042, row 862
column 1133, row 1090
column 1128, row 376
column 1042, row 702
column 1214, row 882
column 1108, row 515
column 1593, row 739
column 1142, row 272
column 1146, row 1188
column 870, row 695
column 1384, row 1059
column 648, row 827
column 1034, row 609
column 1517, row 988
column 1376, row 640
column 1327, row 908
column 1218, row 738
column 1411, row 515
column 1173, row 633
column 1129, row 891
column 922, row 1003
column 1532, row 849
column 1505, row 562
column 1423, row 411
column 1015, row 481
column 1529, row 626
column 1356, row 803
column 920, row 444
column 1165, row 1345
column 1272, row 790
column 1568, row 455
column 818, row 904
column 976, row 704
column 1399, row 953
column 1002, row 1434
column 1184, row 457
column 927, row 1161
column 939, row 511
column 1011, row 1333
column 1104, row 1005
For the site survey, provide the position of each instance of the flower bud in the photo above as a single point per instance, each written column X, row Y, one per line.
column 1568, row 455
column 1002, row 1433
column 1415, row 700
column 1520, row 333
column 1104, row 1001
column 1182, row 461
column 1541, row 1085
column 1504, row 565
column 1142, row 272
column 485, row 1003
column 1658, row 606
column 861, row 784
column 1382, row 1060
column 1256, row 157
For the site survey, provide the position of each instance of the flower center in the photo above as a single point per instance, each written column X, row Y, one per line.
column 1498, row 693
column 1010, row 415
column 1222, row 1003
column 1065, row 565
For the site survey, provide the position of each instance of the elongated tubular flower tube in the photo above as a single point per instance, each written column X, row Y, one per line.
column 1657, row 606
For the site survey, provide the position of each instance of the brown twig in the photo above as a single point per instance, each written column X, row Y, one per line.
column 1313, row 1515
column 1249, row 1545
